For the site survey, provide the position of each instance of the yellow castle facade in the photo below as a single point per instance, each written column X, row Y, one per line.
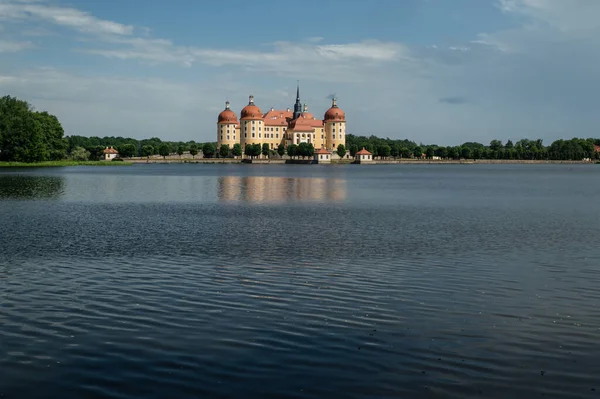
column 285, row 127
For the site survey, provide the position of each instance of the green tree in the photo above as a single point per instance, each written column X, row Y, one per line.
column 237, row 150
column 509, row 144
column 395, row 150
column 96, row 152
column 281, row 150
column 417, row 152
column 341, row 151
column 353, row 150
column 208, row 150
column 453, row 152
column 405, row 152
column 477, row 153
column 430, row 152
column 193, row 150
column 310, row 151
column 265, row 149
column 25, row 134
column 465, row 152
column 441, row 152
column 180, row 150
column 496, row 145
column 147, row 150
column 253, row 150
column 127, row 150
column 384, row 150
column 80, row 154
column 303, row 149
column 292, row 150
column 224, row 150
column 164, row 150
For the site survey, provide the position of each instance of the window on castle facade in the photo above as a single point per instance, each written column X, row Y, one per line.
column 253, row 135
column 276, row 135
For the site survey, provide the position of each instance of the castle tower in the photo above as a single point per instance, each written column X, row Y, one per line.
column 227, row 123
column 251, row 124
column 335, row 126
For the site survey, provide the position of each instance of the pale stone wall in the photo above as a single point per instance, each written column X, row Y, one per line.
column 252, row 132
column 335, row 133
column 227, row 133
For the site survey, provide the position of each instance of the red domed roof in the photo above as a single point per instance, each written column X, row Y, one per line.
column 334, row 114
column 251, row 111
column 227, row 115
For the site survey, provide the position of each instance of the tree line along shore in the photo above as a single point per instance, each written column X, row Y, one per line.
column 28, row 136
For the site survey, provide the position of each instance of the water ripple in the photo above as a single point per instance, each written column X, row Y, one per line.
column 416, row 282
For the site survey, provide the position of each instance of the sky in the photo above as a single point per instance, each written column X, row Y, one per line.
column 433, row 71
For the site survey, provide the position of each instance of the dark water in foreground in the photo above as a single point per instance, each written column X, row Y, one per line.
column 217, row 281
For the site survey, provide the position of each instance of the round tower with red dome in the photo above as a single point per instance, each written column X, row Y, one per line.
column 251, row 124
column 334, row 121
column 227, row 127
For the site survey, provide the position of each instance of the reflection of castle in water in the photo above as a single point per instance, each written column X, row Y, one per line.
column 263, row 189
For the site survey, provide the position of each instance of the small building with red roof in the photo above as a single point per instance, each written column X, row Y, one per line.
column 110, row 153
column 322, row 156
column 363, row 156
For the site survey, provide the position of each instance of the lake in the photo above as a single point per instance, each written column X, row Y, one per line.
column 300, row 281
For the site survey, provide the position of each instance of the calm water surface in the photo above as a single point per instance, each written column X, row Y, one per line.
column 294, row 281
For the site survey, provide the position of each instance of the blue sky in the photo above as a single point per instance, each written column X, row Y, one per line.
column 433, row 71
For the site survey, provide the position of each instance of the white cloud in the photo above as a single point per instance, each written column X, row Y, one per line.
column 343, row 61
column 571, row 16
column 8, row 46
column 64, row 16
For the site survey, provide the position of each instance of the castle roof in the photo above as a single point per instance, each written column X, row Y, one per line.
column 227, row 115
column 275, row 117
column 334, row 114
column 251, row 111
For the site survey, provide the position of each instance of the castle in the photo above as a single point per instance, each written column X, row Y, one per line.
column 282, row 126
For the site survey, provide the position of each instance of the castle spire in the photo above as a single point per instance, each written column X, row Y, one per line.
column 298, row 105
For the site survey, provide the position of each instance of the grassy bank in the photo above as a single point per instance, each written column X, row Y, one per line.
column 60, row 163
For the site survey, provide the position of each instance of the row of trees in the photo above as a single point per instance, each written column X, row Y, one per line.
column 129, row 147
column 573, row 149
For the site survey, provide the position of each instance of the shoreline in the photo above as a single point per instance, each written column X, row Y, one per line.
column 59, row 164
column 351, row 162
column 130, row 162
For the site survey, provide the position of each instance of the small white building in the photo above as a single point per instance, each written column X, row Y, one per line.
column 322, row 156
column 110, row 153
column 363, row 156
